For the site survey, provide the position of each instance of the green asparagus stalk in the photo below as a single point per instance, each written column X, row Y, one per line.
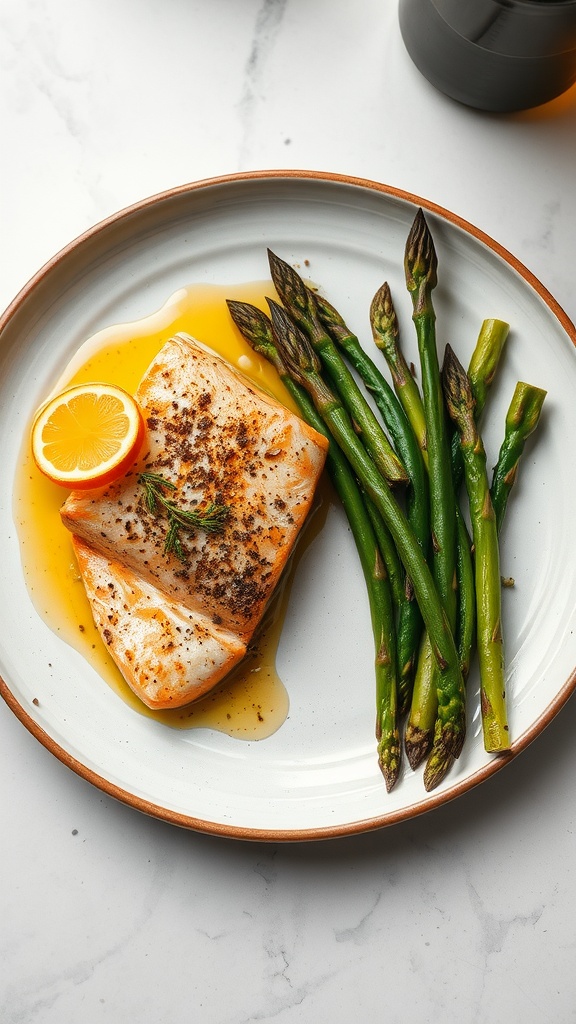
column 481, row 371
column 419, row 729
column 387, row 548
column 422, row 721
column 256, row 328
column 460, row 404
column 299, row 301
column 392, row 413
column 521, row 420
column 386, row 336
column 419, row 732
column 420, row 265
column 485, row 360
column 304, row 365
column 466, row 625
column 417, row 502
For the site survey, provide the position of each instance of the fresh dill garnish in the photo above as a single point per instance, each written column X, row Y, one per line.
column 211, row 518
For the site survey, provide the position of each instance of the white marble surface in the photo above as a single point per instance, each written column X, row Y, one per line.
column 464, row 915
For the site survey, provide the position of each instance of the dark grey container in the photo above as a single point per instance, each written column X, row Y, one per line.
column 500, row 55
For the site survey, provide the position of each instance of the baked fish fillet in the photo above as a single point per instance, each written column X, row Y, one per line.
column 168, row 655
column 218, row 439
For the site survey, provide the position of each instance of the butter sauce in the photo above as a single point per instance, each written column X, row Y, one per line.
column 252, row 702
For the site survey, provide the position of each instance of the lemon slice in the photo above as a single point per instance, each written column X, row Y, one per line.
column 87, row 436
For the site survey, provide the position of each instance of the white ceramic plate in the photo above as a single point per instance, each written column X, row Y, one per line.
column 317, row 775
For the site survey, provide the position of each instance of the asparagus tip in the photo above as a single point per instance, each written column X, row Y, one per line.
column 290, row 286
column 253, row 324
column 437, row 768
column 389, row 760
column 420, row 260
column 457, row 391
column 417, row 743
column 295, row 349
column 447, row 747
column 383, row 315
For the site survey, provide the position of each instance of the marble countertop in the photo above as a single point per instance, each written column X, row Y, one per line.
column 463, row 914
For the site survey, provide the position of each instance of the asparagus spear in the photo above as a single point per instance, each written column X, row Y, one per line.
column 419, row 729
column 417, row 504
column 460, row 404
column 485, row 360
column 482, row 367
column 419, row 733
column 387, row 549
column 304, row 365
column 300, row 303
column 392, row 413
column 481, row 370
column 386, row 334
column 255, row 326
column 420, row 265
column 521, row 420
column 466, row 626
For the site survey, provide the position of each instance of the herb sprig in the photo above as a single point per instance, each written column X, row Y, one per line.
column 211, row 518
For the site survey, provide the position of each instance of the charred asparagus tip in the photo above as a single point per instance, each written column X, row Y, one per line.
column 417, row 743
column 295, row 348
column 457, row 391
column 383, row 315
column 438, row 765
column 420, row 260
column 290, row 287
column 252, row 323
column 389, row 761
column 327, row 311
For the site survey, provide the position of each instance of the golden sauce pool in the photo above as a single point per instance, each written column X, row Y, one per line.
column 252, row 702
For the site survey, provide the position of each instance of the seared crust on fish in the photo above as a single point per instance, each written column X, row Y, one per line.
column 219, row 439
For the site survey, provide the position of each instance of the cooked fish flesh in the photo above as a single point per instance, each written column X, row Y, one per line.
column 168, row 655
column 216, row 439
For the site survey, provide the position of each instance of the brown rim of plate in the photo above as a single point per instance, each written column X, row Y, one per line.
column 362, row 825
